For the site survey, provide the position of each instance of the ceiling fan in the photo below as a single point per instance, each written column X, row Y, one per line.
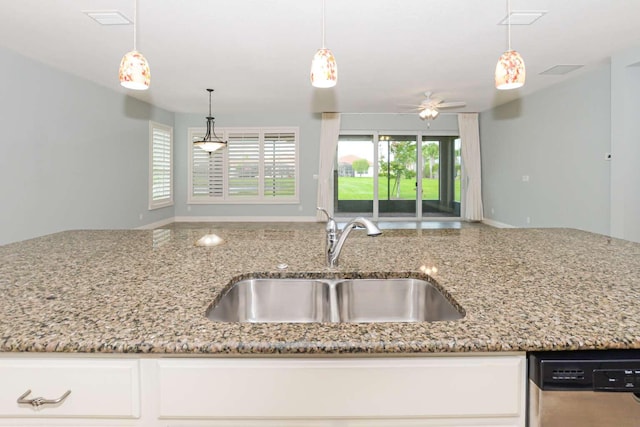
column 430, row 107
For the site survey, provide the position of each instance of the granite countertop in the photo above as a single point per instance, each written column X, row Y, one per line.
column 146, row 291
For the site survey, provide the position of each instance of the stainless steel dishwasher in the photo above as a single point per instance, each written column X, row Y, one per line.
column 584, row 388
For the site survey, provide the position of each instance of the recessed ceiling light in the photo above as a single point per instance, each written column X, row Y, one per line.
column 108, row 17
column 559, row 70
column 523, row 17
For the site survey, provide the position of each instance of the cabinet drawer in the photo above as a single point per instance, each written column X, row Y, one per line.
column 99, row 388
column 429, row 387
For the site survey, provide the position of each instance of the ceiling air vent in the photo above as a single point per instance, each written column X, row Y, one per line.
column 559, row 70
column 523, row 17
column 108, row 17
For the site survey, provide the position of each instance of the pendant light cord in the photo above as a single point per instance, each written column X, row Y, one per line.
column 323, row 24
column 135, row 12
column 509, row 23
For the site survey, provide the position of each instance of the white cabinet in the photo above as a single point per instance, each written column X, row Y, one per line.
column 485, row 390
column 99, row 388
column 450, row 390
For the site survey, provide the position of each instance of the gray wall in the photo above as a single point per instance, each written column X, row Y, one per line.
column 625, row 145
column 446, row 124
column 72, row 154
column 557, row 137
column 309, row 126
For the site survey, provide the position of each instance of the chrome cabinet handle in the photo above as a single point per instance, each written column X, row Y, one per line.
column 36, row 402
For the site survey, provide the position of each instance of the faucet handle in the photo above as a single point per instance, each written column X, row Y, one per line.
column 329, row 218
column 332, row 227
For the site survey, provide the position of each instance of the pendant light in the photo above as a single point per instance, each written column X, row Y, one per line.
column 134, row 69
column 324, row 70
column 211, row 142
column 510, row 71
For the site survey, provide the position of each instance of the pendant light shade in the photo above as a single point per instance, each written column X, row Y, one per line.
column 510, row 70
column 324, row 69
column 134, row 68
column 134, row 71
column 211, row 142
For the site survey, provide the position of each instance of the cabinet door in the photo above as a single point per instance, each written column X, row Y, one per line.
column 427, row 387
column 99, row 388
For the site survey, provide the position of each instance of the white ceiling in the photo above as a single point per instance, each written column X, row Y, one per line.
column 256, row 54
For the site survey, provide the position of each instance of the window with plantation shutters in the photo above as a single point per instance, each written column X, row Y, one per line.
column 259, row 165
column 279, row 164
column 243, row 172
column 160, row 165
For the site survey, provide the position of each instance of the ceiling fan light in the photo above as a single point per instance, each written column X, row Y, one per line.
column 134, row 71
column 510, row 71
column 428, row 113
column 324, row 70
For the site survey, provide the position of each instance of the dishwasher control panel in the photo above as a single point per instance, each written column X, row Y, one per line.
column 616, row 379
column 605, row 371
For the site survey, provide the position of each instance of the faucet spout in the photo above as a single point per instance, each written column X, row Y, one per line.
column 336, row 239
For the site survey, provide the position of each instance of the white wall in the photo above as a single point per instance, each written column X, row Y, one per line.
column 557, row 138
column 72, row 154
column 625, row 145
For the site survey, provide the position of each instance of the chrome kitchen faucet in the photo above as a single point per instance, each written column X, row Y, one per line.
column 336, row 238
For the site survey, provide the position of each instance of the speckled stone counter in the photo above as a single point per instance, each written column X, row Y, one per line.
column 135, row 291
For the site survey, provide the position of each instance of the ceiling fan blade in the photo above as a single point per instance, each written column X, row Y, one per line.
column 452, row 104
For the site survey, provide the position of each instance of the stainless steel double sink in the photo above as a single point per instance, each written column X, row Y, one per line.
column 302, row 300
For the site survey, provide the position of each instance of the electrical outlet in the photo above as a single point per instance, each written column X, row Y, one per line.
column 528, row 220
column 140, row 217
column 525, row 178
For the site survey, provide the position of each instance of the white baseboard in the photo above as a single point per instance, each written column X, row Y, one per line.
column 156, row 224
column 244, row 219
column 496, row 224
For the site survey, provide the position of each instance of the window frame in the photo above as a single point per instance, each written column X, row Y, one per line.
column 167, row 200
column 226, row 198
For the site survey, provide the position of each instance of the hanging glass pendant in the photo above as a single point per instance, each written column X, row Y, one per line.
column 510, row 71
column 324, row 70
column 134, row 68
column 134, row 71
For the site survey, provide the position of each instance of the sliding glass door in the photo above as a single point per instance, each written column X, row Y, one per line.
column 441, row 167
column 354, row 186
column 397, row 175
column 388, row 176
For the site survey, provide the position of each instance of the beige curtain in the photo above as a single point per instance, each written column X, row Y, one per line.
column 472, row 167
column 330, row 130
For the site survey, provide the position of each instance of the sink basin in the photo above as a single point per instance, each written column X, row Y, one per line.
column 334, row 300
column 269, row 300
column 392, row 300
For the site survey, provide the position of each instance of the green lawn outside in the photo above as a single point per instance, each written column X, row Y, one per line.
column 361, row 188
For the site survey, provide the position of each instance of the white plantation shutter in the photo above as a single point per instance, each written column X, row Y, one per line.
column 207, row 173
column 160, row 165
column 259, row 165
column 243, row 154
column 280, row 164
